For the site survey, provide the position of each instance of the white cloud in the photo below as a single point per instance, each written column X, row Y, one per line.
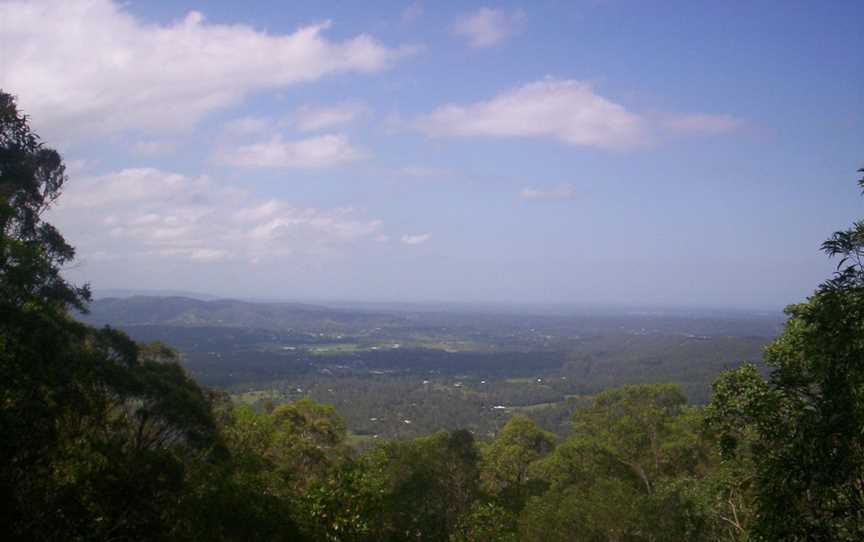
column 562, row 191
column 309, row 118
column 487, row 27
column 145, row 186
column 700, row 123
column 197, row 255
column 565, row 110
column 91, row 65
column 315, row 152
column 152, row 213
column 418, row 239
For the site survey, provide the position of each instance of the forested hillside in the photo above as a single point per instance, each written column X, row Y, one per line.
column 104, row 438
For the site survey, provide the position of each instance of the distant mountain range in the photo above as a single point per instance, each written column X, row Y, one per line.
column 129, row 292
column 176, row 310
column 186, row 311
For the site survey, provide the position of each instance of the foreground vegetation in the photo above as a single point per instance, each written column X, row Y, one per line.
column 106, row 439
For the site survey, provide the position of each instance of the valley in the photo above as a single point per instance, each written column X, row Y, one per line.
column 397, row 373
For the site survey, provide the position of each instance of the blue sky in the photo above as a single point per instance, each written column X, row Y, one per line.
column 598, row 152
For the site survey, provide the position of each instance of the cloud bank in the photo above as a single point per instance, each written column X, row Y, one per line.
column 155, row 214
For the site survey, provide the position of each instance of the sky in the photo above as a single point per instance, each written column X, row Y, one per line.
column 596, row 152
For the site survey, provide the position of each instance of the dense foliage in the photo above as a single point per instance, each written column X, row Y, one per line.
column 802, row 429
column 107, row 439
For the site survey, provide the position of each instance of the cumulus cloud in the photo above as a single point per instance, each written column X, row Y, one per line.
column 89, row 64
column 565, row 110
column 562, row 191
column 153, row 213
column 310, row 118
column 487, row 27
column 145, row 186
column 418, row 239
column 311, row 153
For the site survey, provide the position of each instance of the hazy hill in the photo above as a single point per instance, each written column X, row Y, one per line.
column 129, row 292
column 184, row 311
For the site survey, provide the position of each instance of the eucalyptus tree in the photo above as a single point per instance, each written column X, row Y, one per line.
column 98, row 432
column 803, row 426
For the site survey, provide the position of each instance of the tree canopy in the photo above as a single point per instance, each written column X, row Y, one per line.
column 803, row 426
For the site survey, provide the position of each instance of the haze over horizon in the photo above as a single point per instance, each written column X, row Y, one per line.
column 498, row 306
column 516, row 152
